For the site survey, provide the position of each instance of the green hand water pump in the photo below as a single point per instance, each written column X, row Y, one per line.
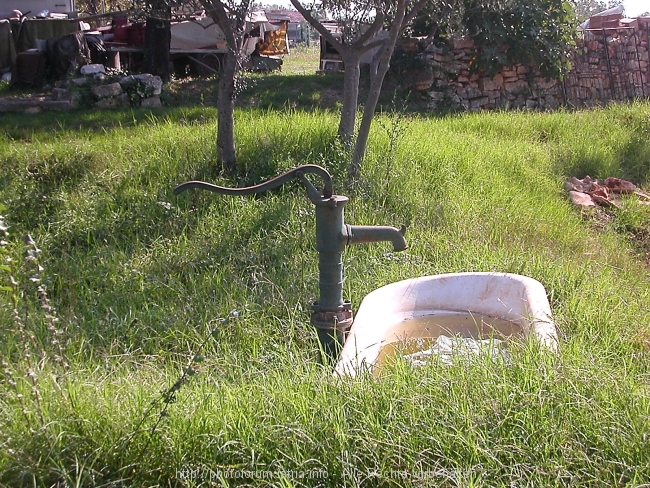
column 331, row 314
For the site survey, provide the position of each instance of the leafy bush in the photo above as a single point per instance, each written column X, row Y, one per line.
column 506, row 32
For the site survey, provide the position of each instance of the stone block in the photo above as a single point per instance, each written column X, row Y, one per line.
column 518, row 102
column 519, row 86
column 478, row 102
column 593, row 45
column 120, row 101
column 79, row 81
column 105, row 91
column 433, row 48
column 55, row 104
column 61, row 94
column 487, row 84
column 152, row 102
column 462, row 43
column 543, row 84
column 473, row 92
column 91, row 69
column 16, row 104
column 151, row 81
column 420, row 79
column 552, row 102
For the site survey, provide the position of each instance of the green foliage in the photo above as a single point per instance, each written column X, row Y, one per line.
column 439, row 20
column 506, row 32
column 85, row 98
column 137, row 90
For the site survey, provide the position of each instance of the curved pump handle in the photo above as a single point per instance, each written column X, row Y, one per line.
column 298, row 172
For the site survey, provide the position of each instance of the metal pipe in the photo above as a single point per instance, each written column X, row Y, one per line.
column 267, row 185
column 358, row 234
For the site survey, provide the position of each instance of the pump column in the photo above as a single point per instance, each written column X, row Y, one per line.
column 332, row 316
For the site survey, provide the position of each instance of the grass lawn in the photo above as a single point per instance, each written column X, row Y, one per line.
column 149, row 339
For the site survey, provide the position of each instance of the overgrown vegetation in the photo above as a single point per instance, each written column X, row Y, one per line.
column 506, row 32
column 124, row 290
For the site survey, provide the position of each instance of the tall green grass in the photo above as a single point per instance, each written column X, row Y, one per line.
column 149, row 288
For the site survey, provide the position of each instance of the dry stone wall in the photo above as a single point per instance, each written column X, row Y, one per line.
column 608, row 64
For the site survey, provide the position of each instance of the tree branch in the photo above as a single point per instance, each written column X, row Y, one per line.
column 339, row 46
column 413, row 12
column 372, row 30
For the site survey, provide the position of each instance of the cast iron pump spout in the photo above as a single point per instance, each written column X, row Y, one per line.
column 331, row 314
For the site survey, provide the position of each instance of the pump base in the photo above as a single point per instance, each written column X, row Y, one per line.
column 332, row 329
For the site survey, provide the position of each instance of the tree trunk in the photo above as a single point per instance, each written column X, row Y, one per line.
column 387, row 50
column 233, row 29
column 226, row 114
column 157, row 42
column 350, row 98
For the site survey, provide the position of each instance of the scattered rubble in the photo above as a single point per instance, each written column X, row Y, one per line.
column 589, row 192
column 95, row 89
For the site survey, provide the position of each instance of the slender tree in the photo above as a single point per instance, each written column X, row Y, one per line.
column 352, row 44
column 230, row 16
column 360, row 24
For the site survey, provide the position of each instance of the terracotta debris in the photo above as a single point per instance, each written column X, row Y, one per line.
column 582, row 199
column 588, row 191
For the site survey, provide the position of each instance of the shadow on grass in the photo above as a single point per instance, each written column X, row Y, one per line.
column 630, row 162
column 277, row 91
column 19, row 126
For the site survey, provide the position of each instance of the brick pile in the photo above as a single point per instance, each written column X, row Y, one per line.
column 610, row 63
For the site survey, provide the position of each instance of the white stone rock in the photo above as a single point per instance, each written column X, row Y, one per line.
column 92, row 69
column 152, row 81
